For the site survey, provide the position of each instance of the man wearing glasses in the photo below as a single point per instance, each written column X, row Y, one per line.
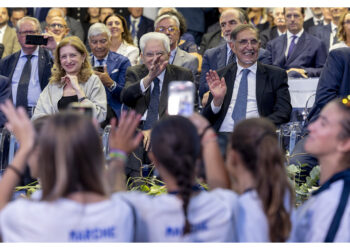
column 29, row 69
column 246, row 89
column 170, row 26
column 57, row 27
column 146, row 89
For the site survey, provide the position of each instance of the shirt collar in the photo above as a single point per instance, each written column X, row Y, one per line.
column 317, row 19
column 35, row 53
column 104, row 60
column 252, row 68
column 333, row 26
column 3, row 29
column 173, row 52
column 289, row 34
column 137, row 20
column 161, row 76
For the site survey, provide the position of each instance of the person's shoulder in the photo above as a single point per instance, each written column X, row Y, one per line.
column 278, row 40
column 3, row 79
column 9, row 58
column 116, row 57
column 178, row 69
column 187, row 55
column 147, row 20
column 212, row 51
column 271, row 68
column 341, row 52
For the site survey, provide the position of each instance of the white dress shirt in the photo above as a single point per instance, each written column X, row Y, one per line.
column 289, row 39
column 252, row 108
column 143, row 89
column 2, row 33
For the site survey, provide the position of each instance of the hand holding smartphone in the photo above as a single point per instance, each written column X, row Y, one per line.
column 181, row 98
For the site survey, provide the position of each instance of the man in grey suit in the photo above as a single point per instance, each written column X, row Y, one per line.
column 169, row 25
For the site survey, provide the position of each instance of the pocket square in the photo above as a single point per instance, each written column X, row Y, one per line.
column 116, row 70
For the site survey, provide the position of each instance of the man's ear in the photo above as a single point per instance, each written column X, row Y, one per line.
column 344, row 146
column 232, row 46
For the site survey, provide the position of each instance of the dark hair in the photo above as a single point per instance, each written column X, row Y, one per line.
column 301, row 9
column 256, row 141
column 176, row 145
column 71, row 156
column 241, row 28
column 242, row 15
column 126, row 34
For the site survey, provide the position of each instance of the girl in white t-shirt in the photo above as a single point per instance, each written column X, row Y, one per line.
column 186, row 213
column 256, row 165
column 74, row 204
column 325, row 216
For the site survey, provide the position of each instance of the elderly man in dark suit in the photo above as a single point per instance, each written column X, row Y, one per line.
column 138, row 24
column 146, row 87
column 29, row 69
column 275, row 31
column 298, row 52
column 247, row 88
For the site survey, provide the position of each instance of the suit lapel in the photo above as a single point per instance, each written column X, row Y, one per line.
column 16, row 58
column 260, row 84
column 179, row 57
column 230, row 82
column 222, row 54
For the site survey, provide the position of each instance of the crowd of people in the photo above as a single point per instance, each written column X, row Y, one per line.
column 109, row 60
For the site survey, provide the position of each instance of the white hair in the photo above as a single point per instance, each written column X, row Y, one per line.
column 98, row 29
column 160, row 18
column 155, row 36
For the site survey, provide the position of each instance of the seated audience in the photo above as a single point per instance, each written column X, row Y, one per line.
column 114, row 65
column 8, row 36
column 298, row 52
column 317, row 19
column 343, row 34
column 72, row 80
column 325, row 216
column 186, row 213
column 74, row 204
column 328, row 33
column 104, row 12
column 278, row 29
column 57, row 27
column 121, row 41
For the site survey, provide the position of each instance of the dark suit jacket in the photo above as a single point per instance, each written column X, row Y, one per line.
column 132, row 95
column 308, row 24
column 5, row 93
column 214, row 59
column 145, row 25
column 45, row 63
column 117, row 65
column 272, row 95
column 211, row 40
column 268, row 35
column 323, row 33
column 309, row 54
column 334, row 80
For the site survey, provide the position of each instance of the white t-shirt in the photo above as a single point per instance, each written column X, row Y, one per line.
column 312, row 220
column 65, row 220
column 161, row 218
column 252, row 224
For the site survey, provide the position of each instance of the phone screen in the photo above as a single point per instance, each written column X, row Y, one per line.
column 36, row 40
column 181, row 98
column 98, row 68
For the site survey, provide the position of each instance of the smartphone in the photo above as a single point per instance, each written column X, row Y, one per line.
column 181, row 98
column 98, row 68
column 36, row 40
column 83, row 108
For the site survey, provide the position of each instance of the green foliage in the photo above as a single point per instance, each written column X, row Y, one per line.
column 303, row 190
column 148, row 185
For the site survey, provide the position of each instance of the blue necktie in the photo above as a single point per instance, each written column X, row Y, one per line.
column 100, row 61
column 231, row 57
column 152, row 113
column 22, row 89
column 240, row 109
column 291, row 46
column 133, row 29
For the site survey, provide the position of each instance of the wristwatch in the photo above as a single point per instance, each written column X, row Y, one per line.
column 81, row 99
column 112, row 87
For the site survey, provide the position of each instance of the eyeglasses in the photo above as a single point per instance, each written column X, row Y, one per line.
column 170, row 29
column 245, row 42
column 27, row 32
column 157, row 54
column 347, row 22
column 296, row 16
column 53, row 25
column 346, row 101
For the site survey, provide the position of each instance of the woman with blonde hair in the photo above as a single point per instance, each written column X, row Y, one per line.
column 72, row 80
column 121, row 41
column 343, row 32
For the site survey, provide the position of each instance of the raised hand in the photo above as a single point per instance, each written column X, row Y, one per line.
column 156, row 68
column 72, row 81
column 217, row 87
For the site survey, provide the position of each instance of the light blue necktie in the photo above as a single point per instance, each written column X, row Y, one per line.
column 240, row 109
column 133, row 29
column 152, row 113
